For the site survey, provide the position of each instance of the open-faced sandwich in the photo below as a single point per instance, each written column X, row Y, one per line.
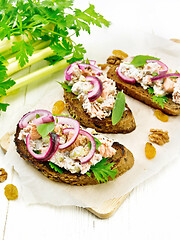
column 61, row 150
column 93, row 99
column 147, row 79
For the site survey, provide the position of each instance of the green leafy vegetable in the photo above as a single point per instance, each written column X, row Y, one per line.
column 28, row 27
column 160, row 100
column 118, row 109
column 102, row 170
column 37, row 116
column 175, row 77
column 66, row 86
column 140, row 60
column 55, row 167
column 154, row 74
column 45, row 128
column 98, row 143
column 150, row 90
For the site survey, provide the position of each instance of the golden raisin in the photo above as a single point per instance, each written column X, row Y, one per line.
column 11, row 192
column 161, row 116
column 3, row 175
column 120, row 54
column 150, row 150
column 58, row 107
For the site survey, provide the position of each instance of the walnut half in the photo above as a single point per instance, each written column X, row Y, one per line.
column 158, row 136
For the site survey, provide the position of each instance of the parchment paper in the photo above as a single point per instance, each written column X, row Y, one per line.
column 38, row 189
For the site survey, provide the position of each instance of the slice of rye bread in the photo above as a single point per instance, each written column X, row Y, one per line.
column 123, row 160
column 75, row 108
column 138, row 92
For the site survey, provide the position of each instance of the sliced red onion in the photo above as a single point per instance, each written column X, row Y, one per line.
column 69, row 70
column 165, row 76
column 123, row 77
column 94, row 69
column 164, row 67
column 93, row 144
column 69, row 121
column 45, row 117
column 97, row 89
column 92, row 62
column 51, row 150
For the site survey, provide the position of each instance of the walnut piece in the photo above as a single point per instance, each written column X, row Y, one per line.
column 3, row 175
column 158, row 136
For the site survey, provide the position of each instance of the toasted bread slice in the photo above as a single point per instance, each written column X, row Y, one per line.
column 75, row 108
column 138, row 92
column 123, row 160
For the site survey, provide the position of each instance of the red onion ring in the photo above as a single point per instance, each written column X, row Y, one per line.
column 69, row 70
column 97, row 90
column 164, row 67
column 94, row 69
column 92, row 62
column 52, row 148
column 76, row 127
column 93, row 144
column 123, row 77
column 45, row 117
column 165, row 76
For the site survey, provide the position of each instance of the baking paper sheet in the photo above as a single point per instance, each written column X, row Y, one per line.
column 38, row 189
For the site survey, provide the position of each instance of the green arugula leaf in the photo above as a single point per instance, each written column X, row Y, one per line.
column 160, row 100
column 175, row 77
column 118, row 109
column 65, row 86
column 45, row 128
column 98, row 143
column 102, row 170
column 55, row 167
column 140, row 60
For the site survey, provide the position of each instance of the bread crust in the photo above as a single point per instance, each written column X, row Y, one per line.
column 123, row 160
column 74, row 106
column 138, row 92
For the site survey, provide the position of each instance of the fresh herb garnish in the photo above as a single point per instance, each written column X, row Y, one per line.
column 175, row 77
column 150, row 90
column 4, row 85
column 140, row 60
column 43, row 30
column 102, row 170
column 55, row 167
column 37, row 151
column 98, row 143
column 160, row 100
column 118, row 109
column 154, row 74
column 45, row 128
column 37, row 116
column 66, row 86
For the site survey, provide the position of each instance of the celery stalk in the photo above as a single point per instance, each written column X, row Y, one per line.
column 31, row 77
column 36, row 57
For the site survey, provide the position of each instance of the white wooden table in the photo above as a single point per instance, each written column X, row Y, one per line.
column 152, row 210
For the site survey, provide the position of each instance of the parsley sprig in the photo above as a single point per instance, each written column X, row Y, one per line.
column 160, row 100
column 102, row 170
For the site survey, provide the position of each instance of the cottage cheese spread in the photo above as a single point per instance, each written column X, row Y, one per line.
column 69, row 158
column 144, row 74
column 100, row 108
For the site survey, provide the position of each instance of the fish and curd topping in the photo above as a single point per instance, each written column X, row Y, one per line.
column 150, row 73
column 95, row 91
column 64, row 144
